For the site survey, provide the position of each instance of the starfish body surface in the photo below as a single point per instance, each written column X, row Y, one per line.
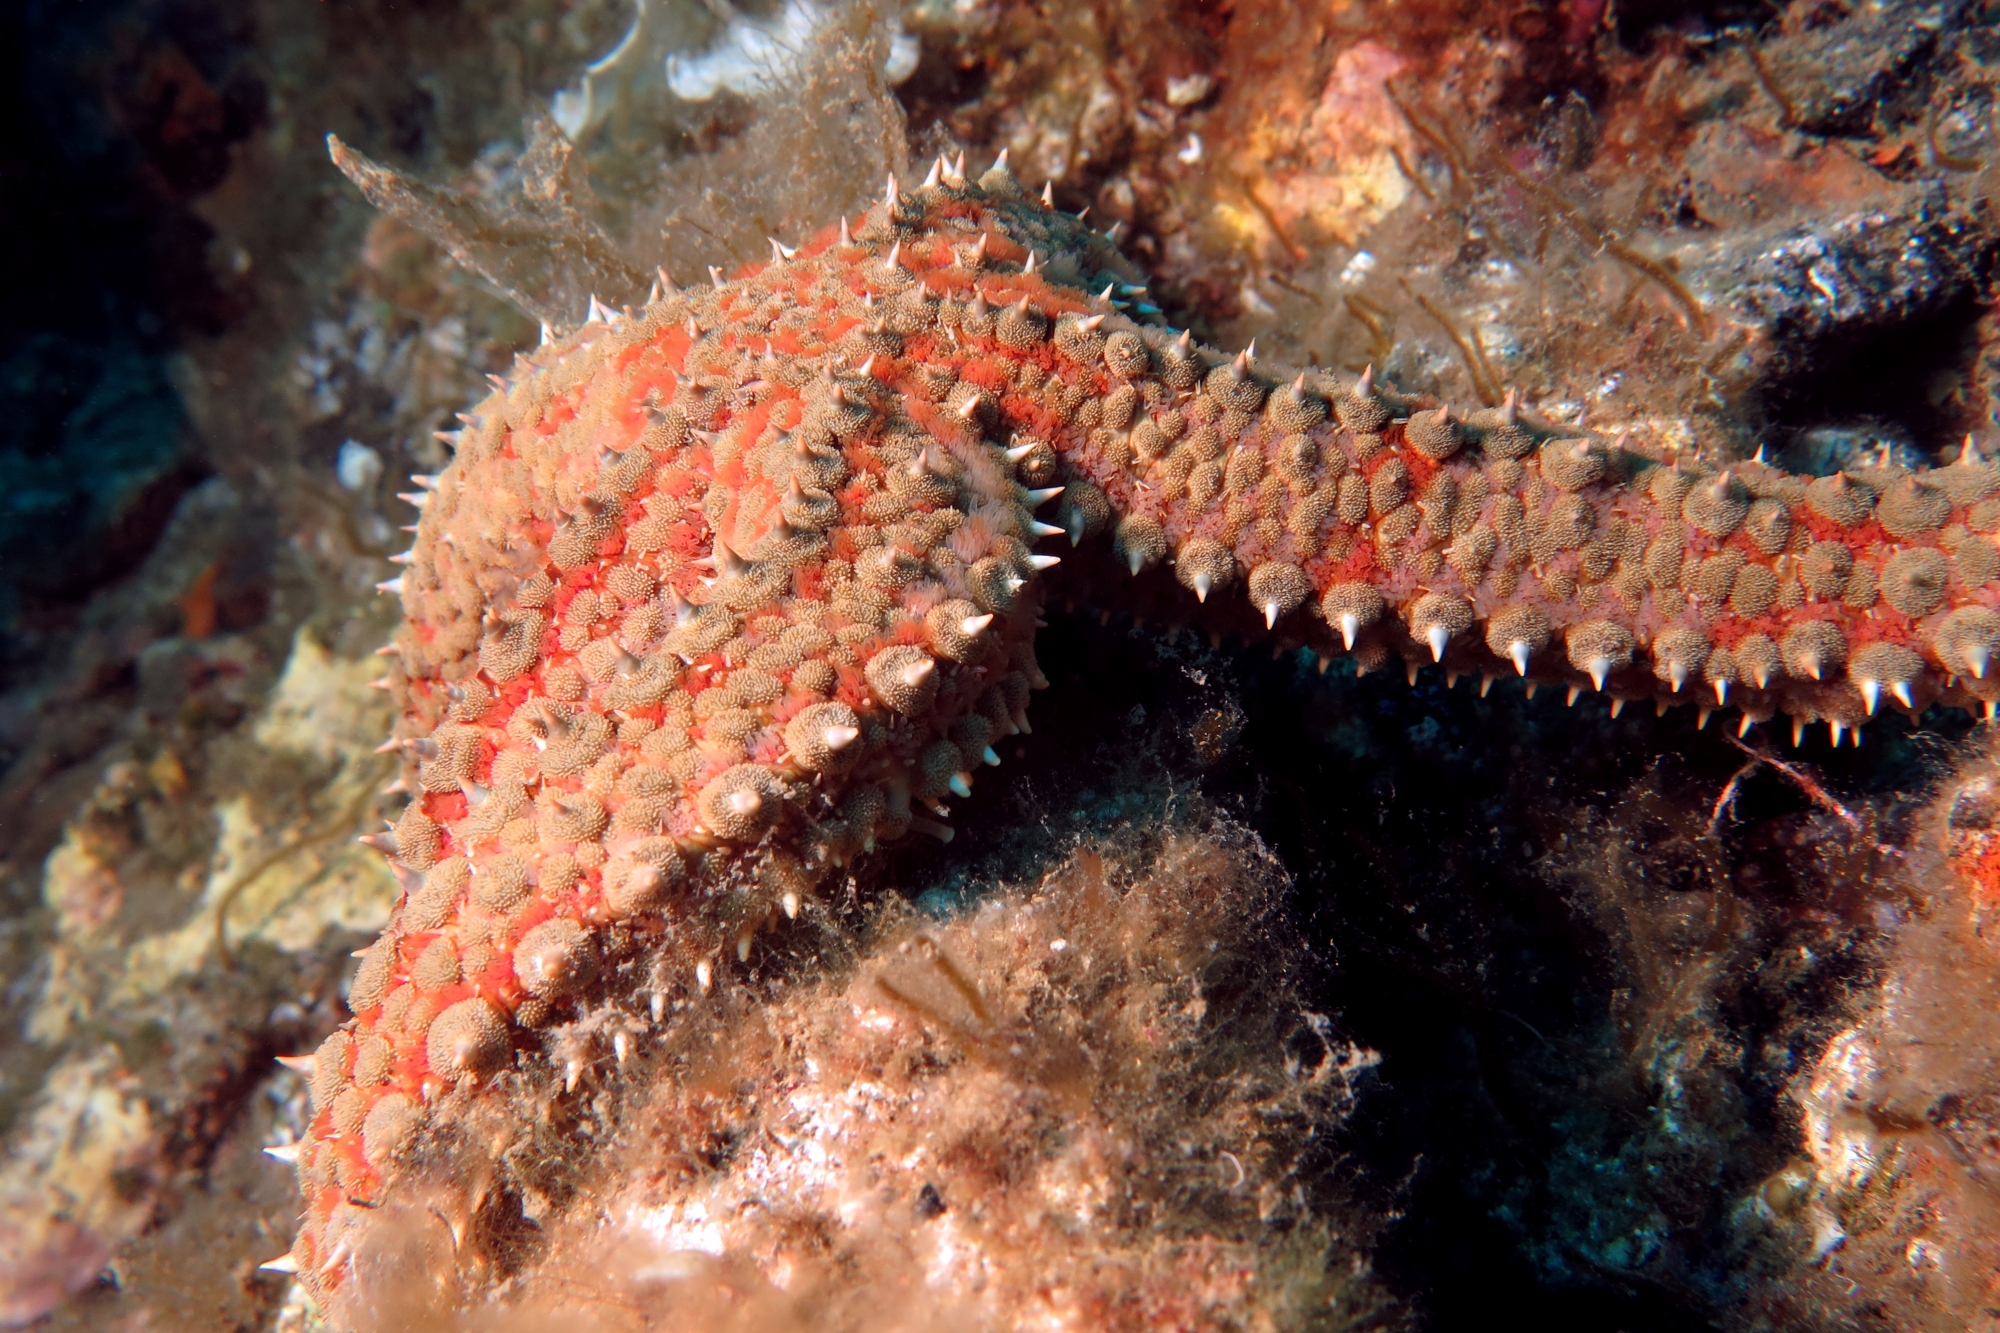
column 719, row 594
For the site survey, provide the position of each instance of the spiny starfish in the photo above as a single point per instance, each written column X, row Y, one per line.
column 718, row 594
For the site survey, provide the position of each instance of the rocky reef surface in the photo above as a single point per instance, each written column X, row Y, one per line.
column 1379, row 1000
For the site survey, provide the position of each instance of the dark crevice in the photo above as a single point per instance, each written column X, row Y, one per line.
column 1913, row 386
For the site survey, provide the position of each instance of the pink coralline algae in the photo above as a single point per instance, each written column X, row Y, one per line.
column 719, row 594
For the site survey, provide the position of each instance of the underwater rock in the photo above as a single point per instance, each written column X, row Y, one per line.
column 1892, row 1208
column 1095, row 1104
column 1848, row 76
column 142, row 949
column 77, row 1185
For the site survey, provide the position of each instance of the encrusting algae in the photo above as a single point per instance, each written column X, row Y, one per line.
column 719, row 594
column 921, row 1134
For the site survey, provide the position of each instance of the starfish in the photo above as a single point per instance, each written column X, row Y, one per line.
column 721, row 593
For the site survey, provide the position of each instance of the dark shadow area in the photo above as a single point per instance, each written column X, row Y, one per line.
column 1898, row 389
column 1639, row 22
column 116, row 117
